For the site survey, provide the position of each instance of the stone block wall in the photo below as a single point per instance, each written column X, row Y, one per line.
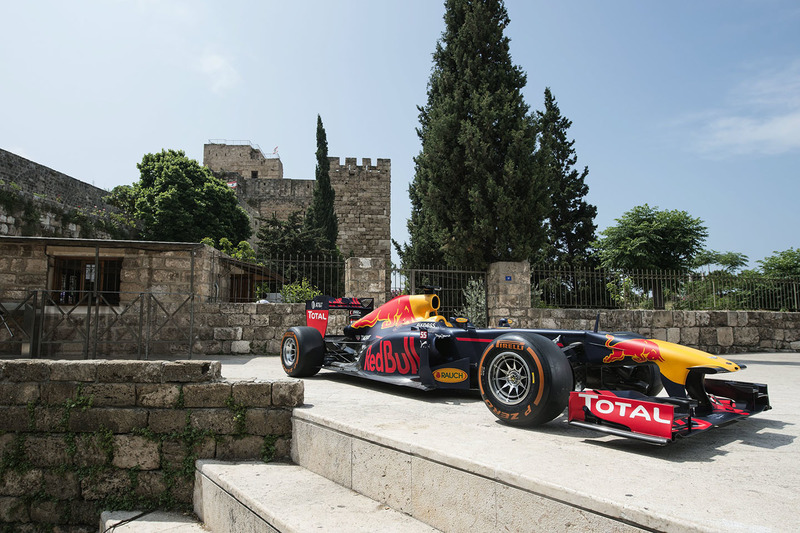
column 242, row 158
column 251, row 328
column 38, row 201
column 717, row 332
column 363, row 206
column 366, row 278
column 79, row 437
column 175, row 268
column 508, row 290
column 42, row 181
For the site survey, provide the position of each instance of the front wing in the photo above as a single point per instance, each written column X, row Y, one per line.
column 660, row 420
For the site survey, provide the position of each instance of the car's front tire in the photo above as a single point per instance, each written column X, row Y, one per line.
column 525, row 380
column 302, row 351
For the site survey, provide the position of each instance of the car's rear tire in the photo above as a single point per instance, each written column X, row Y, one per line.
column 302, row 351
column 524, row 379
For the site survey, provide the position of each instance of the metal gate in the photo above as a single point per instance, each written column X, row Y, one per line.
column 36, row 323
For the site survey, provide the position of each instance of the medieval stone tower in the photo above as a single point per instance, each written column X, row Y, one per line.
column 363, row 193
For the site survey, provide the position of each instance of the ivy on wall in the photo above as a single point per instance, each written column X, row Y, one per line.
column 91, row 222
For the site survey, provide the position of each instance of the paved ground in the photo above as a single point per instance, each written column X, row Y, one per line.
column 742, row 477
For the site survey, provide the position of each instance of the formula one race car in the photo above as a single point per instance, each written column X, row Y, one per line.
column 609, row 381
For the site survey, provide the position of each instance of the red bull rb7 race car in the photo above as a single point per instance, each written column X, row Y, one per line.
column 607, row 381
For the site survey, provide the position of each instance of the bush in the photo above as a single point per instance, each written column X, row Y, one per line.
column 299, row 291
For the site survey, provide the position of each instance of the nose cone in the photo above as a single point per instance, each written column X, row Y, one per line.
column 679, row 359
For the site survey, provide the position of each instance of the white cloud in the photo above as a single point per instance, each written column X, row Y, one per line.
column 759, row 116
column 219, row 71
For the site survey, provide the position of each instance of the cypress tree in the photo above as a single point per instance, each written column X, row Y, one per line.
column 320, row 214
column 475, row 196
column 570, row 227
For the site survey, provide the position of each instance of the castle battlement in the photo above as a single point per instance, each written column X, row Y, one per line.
column 351, row 165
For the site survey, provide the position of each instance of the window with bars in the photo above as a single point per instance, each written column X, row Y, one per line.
column 75, row 281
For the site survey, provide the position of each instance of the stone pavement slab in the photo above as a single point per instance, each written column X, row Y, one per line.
column 741, row 477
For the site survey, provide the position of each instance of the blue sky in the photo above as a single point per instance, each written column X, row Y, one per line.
column 682, row 105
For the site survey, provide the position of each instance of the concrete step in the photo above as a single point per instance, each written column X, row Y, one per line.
column 446, row 490
column 155, row 522
column 259, row 497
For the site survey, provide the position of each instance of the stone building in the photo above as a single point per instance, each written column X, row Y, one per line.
column 363, row 193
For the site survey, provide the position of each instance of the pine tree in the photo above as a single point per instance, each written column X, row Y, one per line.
column 571, row 227
column 475, row 196
column 321, row 214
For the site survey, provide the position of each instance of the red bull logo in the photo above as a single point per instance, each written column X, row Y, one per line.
column 399, row 311
column 640, row 350
column 383, row 358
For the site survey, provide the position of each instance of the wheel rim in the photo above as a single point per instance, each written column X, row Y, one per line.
column 509, row 378
column 289, row 352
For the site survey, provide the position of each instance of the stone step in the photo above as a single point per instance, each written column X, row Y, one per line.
column 154, row 522
column 259, row 497
column 449, row 491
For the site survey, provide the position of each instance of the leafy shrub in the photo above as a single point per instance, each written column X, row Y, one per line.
column 299, row 291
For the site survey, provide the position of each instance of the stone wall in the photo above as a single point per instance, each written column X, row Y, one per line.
column 363, row 194
column 42, row 181
column 171, row 268
column 251, row 328
column 717, row 332
column 80, row 437
column 258, row 328
column 39, row 201
column 508, row 290
column 363, row 206
column 242, row 158
column 366, row 278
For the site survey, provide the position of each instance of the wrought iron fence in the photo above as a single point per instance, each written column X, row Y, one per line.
column 462, row 292
column 35, row 323
column 265, row 281
column 643, row 289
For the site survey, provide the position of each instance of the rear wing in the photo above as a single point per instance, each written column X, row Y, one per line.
column 317, row 310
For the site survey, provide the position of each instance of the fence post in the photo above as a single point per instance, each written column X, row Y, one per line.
column 508, row 292
column 366, row 278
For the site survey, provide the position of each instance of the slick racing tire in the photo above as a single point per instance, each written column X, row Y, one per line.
column 302, row 351
column 525, row 380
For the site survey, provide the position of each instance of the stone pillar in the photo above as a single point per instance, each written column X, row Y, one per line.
column 508, row 289
column 365, row 277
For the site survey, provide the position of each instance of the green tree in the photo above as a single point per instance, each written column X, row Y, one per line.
column 731, row 262
column 782, row 264
column 321, row 212
column 290, row 237
column 176, row 199
column 291, row 251
column 475, row 197
column 646, row 238
column 570, row 227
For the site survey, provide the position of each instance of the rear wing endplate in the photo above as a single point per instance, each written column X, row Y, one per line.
column 318, row 309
